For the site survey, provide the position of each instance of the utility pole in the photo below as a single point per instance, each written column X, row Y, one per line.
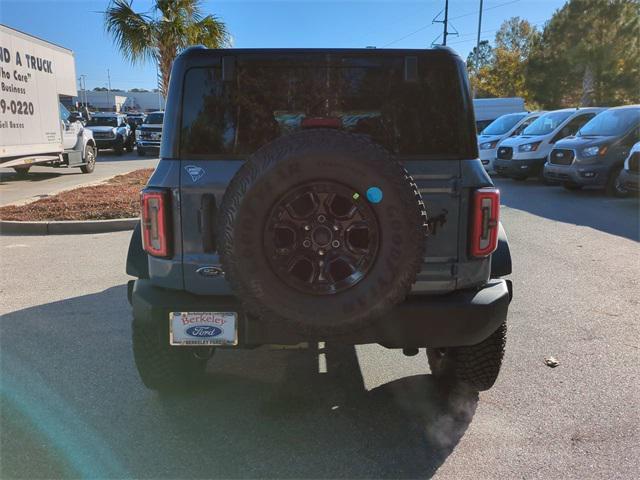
column 83, row 86
column 109, row 78
column 446, row 22
column 477, row 55
column 478, row 40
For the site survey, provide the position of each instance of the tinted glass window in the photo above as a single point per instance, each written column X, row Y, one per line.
column 574, row 125
column 273, row 97
column 524, row 125
column 64, row 113
column 503, row 124
column 154, row 118
column 611, row 122
column 547, row 123
column 103, row 121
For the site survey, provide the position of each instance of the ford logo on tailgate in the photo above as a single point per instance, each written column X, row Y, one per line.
column 204, row 331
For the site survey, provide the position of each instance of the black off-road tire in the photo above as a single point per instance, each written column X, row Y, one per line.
column 477, row 365
column 90, row 154
column 614, row 186
column 332, row 156
column 161, row 366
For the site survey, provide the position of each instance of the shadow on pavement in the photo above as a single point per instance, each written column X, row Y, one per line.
column 588, row 207
column 72, row 405
column 11, row 176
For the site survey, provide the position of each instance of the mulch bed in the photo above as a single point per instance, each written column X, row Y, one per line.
column 118, row 197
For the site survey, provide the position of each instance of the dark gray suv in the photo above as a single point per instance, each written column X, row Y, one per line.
column 595, row 155
column 319, row 195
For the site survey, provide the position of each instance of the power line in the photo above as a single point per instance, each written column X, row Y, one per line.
column 424, row 27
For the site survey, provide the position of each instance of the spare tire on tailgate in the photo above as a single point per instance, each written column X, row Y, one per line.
column 323, row 230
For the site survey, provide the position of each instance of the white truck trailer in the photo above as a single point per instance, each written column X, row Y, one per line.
column 35, row 127
column 488, row 109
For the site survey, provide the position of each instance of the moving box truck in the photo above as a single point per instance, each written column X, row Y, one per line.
column 488, row 109
column 35, row 128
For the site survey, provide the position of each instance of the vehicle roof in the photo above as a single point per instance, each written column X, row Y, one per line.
column 198, row 51
column 625, row 107
column 157, row 111
column 578, row 109
column 108, row 114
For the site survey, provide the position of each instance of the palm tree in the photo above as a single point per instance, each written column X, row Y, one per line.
column 160, row 34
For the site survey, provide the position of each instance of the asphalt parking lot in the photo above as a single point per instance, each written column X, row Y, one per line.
column 45, row 181
column 72, row 404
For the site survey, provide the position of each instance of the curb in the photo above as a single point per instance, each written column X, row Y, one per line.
column 67, row 227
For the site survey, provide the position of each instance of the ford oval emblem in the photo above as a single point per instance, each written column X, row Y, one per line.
column 204, row 331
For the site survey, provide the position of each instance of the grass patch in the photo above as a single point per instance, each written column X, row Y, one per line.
column 118, row 197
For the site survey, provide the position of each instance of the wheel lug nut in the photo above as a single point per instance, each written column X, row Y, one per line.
column 306, row 244
column 336, row 228
column 322, row 218
column 335, row 244
column 307, row 228
column 320, row 252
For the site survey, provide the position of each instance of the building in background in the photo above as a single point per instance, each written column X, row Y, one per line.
column 120, row 101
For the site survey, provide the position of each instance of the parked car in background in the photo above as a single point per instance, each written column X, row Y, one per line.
column 525, row 155
column 630, row 175
column 111, row 130
column 136, row 119
column 596, row 155
column 486, row 110
column 506, row 126
column 149, row 134
column 77, row 117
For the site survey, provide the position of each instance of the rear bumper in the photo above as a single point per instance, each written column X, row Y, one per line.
column 630, row 180
column 464, row 317
column 580, row 175
column 519, row 168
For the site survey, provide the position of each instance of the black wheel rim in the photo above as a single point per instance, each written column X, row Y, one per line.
column 322, row 238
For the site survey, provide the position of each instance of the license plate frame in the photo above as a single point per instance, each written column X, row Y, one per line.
column 189, row 329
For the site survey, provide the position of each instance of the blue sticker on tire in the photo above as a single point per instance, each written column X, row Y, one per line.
column 374, row 194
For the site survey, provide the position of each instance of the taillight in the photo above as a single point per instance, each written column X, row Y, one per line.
column 484, row 227
column 155, row 222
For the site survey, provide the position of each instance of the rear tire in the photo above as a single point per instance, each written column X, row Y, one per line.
column 161, row 366
column 90, row 159
column 477, row 365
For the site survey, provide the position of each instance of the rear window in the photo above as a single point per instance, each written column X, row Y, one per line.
column 267, row 98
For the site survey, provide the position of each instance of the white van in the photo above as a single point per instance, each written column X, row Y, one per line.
column 486, row 110
column 506, row 126
column 525, row 155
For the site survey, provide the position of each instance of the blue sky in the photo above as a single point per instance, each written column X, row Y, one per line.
column 78, row 25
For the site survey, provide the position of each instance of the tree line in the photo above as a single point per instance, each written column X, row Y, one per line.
column 587, row 54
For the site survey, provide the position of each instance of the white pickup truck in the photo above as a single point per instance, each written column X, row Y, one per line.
column 35, row 128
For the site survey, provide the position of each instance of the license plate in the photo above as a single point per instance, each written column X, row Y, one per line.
column 203, row 328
